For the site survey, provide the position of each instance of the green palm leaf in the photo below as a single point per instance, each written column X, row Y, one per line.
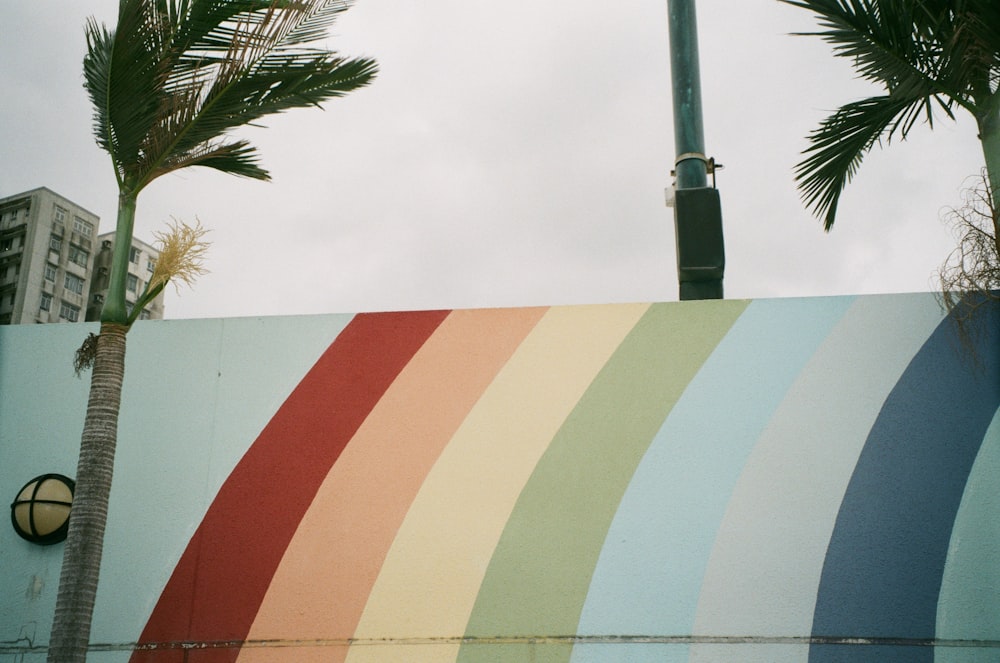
column 168, row 85
column 178, row 75
column 927, row 55
column 175, row 77
column 839, row 145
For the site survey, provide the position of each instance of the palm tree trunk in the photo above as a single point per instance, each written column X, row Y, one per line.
column 85, row 542
column 115, row 309
column 989, row 135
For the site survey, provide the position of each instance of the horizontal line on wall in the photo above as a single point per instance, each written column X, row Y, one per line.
column 22, row 646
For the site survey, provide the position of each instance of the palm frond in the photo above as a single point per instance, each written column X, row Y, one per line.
column 122, row 74
column 279, row 82
column 235, row 158
column 315, row 26
column 973, row 48
column 203, row 68
column 927, row 55
column 96, row 70
column 895, row 44
column 841, row 142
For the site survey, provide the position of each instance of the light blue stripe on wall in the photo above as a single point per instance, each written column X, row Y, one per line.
column 226, row 376
column 42, row 407
column 765, row 566
column 649, row 574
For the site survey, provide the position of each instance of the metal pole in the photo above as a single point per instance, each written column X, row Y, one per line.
column 697, row 211
column 689, row 131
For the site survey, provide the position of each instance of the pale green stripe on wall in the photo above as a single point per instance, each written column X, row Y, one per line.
column 765, row 565
column 648, row 578
column 538, row 578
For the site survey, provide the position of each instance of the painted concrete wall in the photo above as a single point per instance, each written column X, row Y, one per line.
column 768, row 480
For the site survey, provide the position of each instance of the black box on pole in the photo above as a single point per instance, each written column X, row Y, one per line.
column 701, row 254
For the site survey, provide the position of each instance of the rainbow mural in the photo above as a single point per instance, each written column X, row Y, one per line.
column 773, row 480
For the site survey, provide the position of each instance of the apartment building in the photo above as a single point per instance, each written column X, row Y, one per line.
column 53, row 264
column 46, row 255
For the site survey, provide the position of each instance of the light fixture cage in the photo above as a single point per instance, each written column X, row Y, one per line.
column 40, row 512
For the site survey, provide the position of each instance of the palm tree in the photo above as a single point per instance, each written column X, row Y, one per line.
column 168, row 84
column 929, row 56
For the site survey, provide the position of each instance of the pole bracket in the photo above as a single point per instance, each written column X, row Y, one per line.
column 691, row 155
column 710, row 165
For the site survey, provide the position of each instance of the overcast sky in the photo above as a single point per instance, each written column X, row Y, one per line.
column 508, row 154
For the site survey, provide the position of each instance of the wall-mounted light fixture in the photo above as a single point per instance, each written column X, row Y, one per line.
column 40, row 513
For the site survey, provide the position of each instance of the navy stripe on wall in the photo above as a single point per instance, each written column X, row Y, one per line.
column 882, row 573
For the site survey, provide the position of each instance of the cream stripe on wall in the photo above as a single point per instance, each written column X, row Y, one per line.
column 344, row 536
column 433, row 571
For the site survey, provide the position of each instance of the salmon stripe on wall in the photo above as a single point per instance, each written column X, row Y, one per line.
column 453, row 486
column 346, row 533
column 540, row 571
column 220, row 580
column 428, row 583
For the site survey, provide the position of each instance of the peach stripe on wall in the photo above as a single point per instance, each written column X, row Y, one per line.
column 428, row 583
column 319, row 590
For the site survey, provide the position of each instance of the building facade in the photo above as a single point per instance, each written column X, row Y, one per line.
column 47, row 246
column 53, row 265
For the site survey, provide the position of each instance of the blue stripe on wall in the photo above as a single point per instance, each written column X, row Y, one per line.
column 882, row 573
column 765, row 564
column 649, row 575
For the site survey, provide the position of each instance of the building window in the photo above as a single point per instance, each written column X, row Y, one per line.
column 46, row 302
column 74, row 283
column 133, row 255
column 82, row 227
column 150, row 266
column 69, row 312
column 55, row 243
column 78, row 255
column 60, row 214
column 132, row 283
column 6, row 244
column 50, row 272
column 145, row 314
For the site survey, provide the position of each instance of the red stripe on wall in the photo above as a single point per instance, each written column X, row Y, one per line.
column 220, row 580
